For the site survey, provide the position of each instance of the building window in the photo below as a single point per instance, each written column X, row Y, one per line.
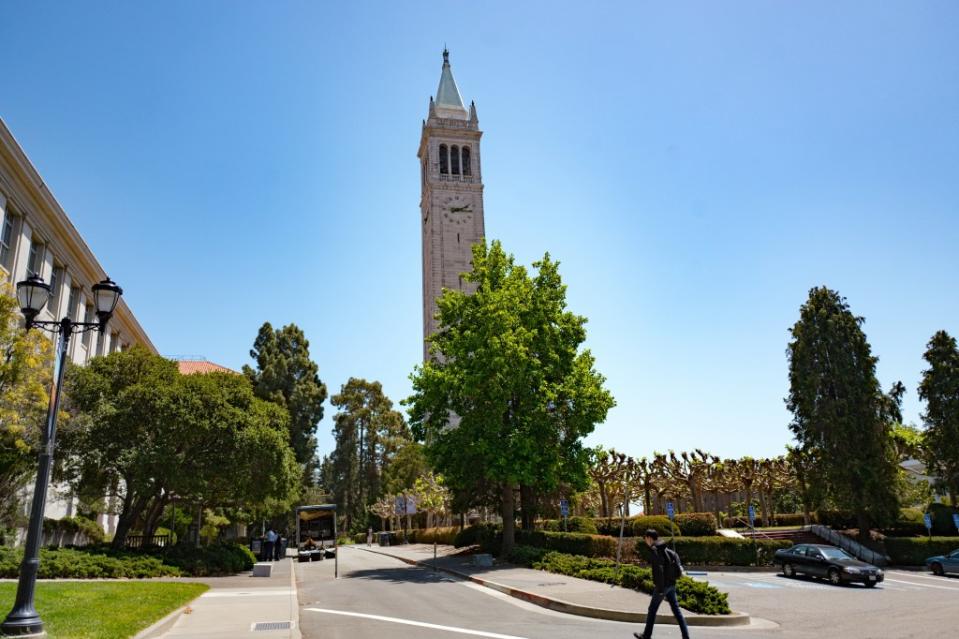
column 72, row 303
column 87, row 317
column 114, row 342
column 56, row 279
column 6, row 240
column 35, row 262
column 444, row 159
column 455, row 158
column 466, row 160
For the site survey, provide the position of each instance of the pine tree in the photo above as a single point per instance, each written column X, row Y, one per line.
column 940, row 390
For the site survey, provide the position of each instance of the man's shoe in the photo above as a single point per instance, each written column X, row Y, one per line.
column 639, row 636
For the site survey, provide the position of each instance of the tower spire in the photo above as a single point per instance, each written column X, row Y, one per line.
column 449, row 103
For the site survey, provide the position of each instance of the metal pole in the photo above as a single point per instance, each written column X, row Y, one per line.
column 24, row 620
column 434, row 555
column 336, row 550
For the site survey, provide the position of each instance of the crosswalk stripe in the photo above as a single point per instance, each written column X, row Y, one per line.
column 421, row 624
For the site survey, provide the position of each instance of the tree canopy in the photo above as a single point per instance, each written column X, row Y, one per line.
column 145, row 433
column 26, row 371
column 287, row 376
column 842, row 420
column 939, row 388
column 508, row 395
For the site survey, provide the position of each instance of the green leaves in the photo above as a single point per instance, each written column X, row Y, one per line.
column 508, row 395
column 939, row 388
column 841, row 418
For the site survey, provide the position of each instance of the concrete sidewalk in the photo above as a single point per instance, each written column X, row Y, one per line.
column 234, row 605
column 556, row 592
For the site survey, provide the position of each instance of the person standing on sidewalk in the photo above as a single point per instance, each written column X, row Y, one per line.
column 270, row 543
column 666, row 570
column 369, row 537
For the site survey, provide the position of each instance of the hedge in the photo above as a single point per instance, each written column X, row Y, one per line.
column 659, row 523
column 477, row 535
column 696, row 524
column 720, row 551
column 101, row 562
column 913, row 551
column 942, row 523
column 431, row 535
column 695, row 596
column 574, row 525
column 75, row 525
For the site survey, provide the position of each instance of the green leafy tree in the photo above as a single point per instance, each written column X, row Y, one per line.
column 368, row 433
column 146, row 433
column 287, row 376
column 841, row 417
column 25, row 375
column 508, row 395
column 939, row 388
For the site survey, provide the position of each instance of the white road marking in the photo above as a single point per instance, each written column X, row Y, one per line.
column 913, row 583
column 907, row 575
column 421, row 624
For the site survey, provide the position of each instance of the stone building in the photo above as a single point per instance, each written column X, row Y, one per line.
column 37, row 237
column 451, row 202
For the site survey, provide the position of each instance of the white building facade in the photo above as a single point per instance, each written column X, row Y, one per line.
column 37, row 237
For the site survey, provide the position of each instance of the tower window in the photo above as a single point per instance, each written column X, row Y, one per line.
column 466, row 160
column 444, row 159
column 455, row 159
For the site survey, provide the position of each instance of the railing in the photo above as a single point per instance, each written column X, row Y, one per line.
column 852, row 547
column 140, row 541
column 753, row 533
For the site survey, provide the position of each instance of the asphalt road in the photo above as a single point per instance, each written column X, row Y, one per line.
column 377, row 596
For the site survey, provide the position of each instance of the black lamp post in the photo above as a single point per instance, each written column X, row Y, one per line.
column 33, row 294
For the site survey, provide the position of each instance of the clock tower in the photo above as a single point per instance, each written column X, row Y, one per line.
column 451, row 201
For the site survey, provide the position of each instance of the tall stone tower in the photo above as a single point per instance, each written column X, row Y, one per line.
column 451, row 204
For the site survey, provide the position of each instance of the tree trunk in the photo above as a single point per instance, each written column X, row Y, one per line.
column 509, row 523
column 764, row 505
column 647, row 501
column 131, row 510
column 603, row 500
column 527, row 506
column 863, row 521
column 152, row 518
column 462, row 521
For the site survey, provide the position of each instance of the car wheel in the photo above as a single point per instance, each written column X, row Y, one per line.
column 834, row 577
column 937, row 570
column 788, row 570
column 870, row 584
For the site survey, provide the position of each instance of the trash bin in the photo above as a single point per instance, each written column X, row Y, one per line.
column 256, row 547
column 384, row 538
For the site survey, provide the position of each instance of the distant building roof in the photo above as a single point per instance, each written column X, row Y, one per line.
column 194, row 366
column 449, row 103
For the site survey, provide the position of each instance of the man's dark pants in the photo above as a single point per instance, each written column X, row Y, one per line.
column 670, row 595
column 268, row 550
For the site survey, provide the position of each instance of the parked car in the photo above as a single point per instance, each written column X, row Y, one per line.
column 941, row 564
column 834, row 564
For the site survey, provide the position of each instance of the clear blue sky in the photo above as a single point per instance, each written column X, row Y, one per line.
column 696, row 169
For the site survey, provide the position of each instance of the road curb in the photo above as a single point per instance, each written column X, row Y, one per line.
column 159, row 628
column 558, row 605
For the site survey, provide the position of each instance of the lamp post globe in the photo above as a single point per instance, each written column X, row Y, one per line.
column 106, row 295
column 33, row 294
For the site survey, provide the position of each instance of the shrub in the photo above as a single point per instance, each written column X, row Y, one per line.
column 913, row 551
column 611, row 525
column 208, row 561
column 694, row 596
column 360, row 538
column 431, row 535
column 778, row 519
column 660, row 523
column 942, row 523
column 721, row 551
column 837, row 519
column 573, row 525
column 696, row 524
column 73, row 563
column 73, row 526
column 526, row 555
column 909, row 523
column 477, row 535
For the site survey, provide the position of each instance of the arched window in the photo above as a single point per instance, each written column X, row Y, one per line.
column 444, row 159
column 466, row 160
column 455, row 159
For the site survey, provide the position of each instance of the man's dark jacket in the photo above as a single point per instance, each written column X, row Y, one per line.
column 664, row 572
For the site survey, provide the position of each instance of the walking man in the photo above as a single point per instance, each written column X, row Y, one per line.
column 369, row 537
column 666, row 570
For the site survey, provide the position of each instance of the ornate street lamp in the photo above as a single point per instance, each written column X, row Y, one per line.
column 33, row 294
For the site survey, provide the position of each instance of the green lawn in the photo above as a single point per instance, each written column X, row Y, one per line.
column 102, row 609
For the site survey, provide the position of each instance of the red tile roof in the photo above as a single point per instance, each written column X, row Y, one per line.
column 191, row 367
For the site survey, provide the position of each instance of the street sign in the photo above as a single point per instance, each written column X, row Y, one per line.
column 955, row 520
column 411, row 505
column 399, row 507
column 752, row 516
column 927, row 518
column 670, row 512
column 564, row 507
